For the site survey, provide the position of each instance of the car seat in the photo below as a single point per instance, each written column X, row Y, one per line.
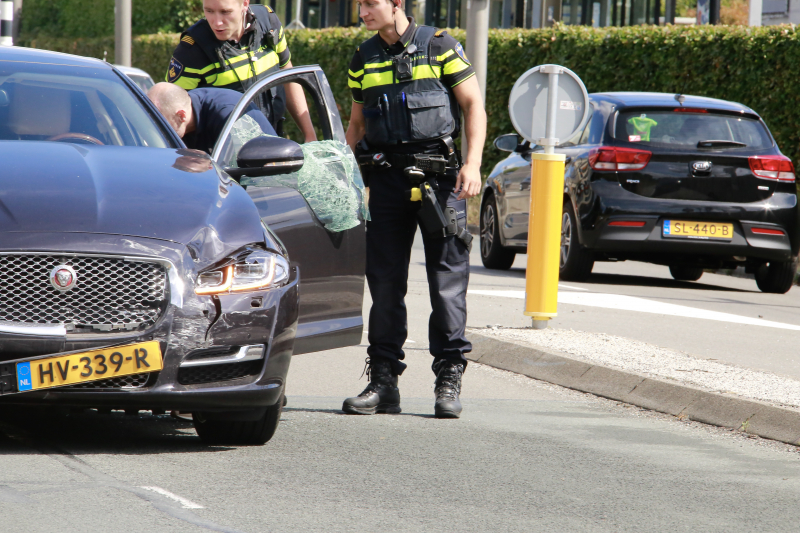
column 38, row 113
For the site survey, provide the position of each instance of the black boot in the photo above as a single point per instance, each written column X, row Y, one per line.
column 448, row 387
column 380, row 396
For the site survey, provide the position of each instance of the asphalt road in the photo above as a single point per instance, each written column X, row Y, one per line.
column 526, row 456
column 643, row 302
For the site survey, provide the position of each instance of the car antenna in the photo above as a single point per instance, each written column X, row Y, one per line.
column 680, row 98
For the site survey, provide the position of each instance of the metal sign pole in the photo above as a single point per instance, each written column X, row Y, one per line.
column 7, row 23
column 544, row 220
column 122, row 41
column 564, row 110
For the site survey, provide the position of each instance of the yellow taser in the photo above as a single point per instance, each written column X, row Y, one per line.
column 544, row 237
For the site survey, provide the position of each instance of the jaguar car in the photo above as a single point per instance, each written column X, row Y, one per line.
column 689, row 182
column 136, row 274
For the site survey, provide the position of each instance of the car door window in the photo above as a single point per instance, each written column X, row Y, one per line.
column 329, row 180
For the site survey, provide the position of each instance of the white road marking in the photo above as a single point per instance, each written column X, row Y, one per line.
column 412, row 342
column 186, row 504
column 572, row 288
column 642, row 305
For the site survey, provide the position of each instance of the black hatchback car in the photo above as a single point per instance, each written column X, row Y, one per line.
column 683, row 181
column 136, row 274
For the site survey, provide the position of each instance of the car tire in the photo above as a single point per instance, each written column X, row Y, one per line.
column 776, row 277
column 685, row 273
column 576, row 261
column 493, row 254
column 240, row 432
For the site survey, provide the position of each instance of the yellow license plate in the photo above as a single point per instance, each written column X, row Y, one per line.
column 698, row 230
column 89, row 366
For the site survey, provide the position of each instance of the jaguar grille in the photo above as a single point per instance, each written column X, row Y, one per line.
column 110, row 294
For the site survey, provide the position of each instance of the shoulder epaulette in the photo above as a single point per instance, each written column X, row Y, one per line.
column 187, row 39
column 440, row 33
column 270, row 9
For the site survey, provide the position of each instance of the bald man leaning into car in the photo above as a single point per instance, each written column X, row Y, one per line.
column 199, row 115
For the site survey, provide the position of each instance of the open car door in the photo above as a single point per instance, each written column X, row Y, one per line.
column 318, row 210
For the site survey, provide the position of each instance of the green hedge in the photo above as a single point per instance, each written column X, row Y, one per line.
column 755, row 66
column 95, row 18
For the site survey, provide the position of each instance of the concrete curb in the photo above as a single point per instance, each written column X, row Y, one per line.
column 678, row 400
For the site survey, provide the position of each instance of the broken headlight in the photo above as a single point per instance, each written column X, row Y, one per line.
column 259, row 270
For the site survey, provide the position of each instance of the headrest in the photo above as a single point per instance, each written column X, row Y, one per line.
column 39, row 111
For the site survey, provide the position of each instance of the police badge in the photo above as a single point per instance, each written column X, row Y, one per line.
column 461, row 54
column 175, row 70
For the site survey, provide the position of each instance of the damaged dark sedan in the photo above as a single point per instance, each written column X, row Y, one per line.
column 138, row 275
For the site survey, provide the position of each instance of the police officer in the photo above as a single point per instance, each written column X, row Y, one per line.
column 236, row 45
column 198, row 116
column 409, row 84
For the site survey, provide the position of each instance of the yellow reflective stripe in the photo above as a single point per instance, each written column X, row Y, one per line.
column 356, row 74
column 244, row 72
column 202, row 70
column 426, row 71
column 281, row 45
column 462, row 81
column 445, row 55
column 186, row 83
column 356, row 101
column 232, row 60
column 378, row 65
column 353, row 84
column 455, row 66
column 267, row 62
column 377, row 79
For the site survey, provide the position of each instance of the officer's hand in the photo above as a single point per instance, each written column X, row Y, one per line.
column 468, row 183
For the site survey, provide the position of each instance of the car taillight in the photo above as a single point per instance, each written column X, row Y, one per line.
column 772, row 167
column 767, row 231
column 628, row 223
column 616, row 158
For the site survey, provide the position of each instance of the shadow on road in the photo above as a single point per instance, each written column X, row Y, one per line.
column 342, row 413
column 644, row 281
column 91, row 432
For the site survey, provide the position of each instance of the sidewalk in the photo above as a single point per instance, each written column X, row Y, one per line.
column 635, row 372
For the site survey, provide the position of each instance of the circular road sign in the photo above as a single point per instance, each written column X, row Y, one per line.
column 528, row 104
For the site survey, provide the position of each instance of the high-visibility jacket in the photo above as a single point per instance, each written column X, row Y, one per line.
column 400, row 111
column 202, row 60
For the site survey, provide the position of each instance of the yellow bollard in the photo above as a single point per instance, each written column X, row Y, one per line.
column 544, row 237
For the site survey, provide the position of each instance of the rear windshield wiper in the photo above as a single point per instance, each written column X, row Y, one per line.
column 721, row 144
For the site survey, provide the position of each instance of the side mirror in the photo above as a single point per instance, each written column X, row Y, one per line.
column 267, row 156
column 507, row 142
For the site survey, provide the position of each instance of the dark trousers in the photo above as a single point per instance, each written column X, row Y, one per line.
column 390, row 235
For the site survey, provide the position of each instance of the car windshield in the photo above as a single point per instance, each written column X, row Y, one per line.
column 682, row 129
column 45, row 102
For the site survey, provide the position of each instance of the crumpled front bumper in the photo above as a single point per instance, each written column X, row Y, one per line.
column 190, row 323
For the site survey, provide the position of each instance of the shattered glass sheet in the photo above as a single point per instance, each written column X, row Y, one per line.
column 331, row 183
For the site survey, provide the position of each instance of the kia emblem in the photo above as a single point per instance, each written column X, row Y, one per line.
column 701, row 166
column 63, row 278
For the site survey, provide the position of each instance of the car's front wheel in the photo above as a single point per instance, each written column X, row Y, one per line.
column 239, row 432
column 493, row 254
column 776, row 276
column 576, row 261
column 685, row 273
